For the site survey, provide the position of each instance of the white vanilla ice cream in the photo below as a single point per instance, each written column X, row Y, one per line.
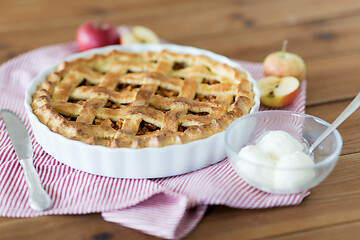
column 279, row 143
column 272, row 160
column 289, row 179
column 253, row 154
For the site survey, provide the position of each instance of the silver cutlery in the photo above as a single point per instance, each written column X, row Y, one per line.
column 350, row 109
column 39, row 199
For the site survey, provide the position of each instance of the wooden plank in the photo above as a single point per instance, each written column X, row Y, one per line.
column 13, row 43
column 307, row 40
column 190, row 17
column 91, row 226
column 333, row 78
column 349, row 130
column 349, row 230
column 200, row 23
column 333, row 202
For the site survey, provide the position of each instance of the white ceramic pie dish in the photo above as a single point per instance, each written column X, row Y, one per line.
column 125, row 162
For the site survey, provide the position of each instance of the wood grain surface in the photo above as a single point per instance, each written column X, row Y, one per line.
column 325, row 33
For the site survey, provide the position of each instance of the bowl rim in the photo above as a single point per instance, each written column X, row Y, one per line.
column 331, row 158
column 206, row 150
column 30, row 90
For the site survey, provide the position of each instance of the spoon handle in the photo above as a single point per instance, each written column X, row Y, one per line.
column 342, row 117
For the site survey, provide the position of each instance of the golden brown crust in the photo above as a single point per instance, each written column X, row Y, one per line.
column 142, row 100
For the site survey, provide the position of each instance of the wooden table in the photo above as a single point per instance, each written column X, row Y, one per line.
column 325, row 33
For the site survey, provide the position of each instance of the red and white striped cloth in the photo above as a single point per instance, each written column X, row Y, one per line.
column 167, row 207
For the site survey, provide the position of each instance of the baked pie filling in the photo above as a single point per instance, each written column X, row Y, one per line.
column 137, row 100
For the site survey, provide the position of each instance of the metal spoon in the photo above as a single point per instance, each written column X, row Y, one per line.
column 341, row 118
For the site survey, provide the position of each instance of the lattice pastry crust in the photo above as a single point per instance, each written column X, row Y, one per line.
column 137, row 100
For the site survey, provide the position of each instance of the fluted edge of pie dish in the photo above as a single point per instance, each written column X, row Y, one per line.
column 133, row 163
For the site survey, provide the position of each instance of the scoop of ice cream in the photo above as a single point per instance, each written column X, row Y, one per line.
column 257, row 166
column 278, row 144
column 286, row 177
column 278, row 162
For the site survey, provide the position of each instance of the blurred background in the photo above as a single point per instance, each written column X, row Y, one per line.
column 325, row 33
column 241, row 29
column 246, row 29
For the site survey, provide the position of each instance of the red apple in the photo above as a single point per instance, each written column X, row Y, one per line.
column 284, row 64
column 278, row 91
column 96, row 34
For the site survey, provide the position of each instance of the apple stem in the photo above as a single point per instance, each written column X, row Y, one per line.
column 98, row 23
column 284, row 46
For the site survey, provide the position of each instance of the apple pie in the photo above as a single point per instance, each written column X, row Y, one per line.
column 138, row 100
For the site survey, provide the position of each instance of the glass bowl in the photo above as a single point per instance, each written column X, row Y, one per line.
column 249, row 129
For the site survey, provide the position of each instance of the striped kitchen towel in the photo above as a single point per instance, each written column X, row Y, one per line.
column 167, row 207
